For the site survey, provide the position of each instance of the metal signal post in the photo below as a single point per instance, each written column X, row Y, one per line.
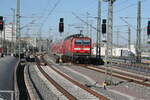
column 98, row 47
column 138, row 39
column 108, row 54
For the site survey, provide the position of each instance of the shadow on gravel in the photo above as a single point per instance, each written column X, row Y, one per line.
column 113, row 84
column 90, row 86
column 21, row 84
column 122, row 82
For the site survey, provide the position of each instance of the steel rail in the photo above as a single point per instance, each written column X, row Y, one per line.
column 101, row 97
column 33, row 83
column 121, row 75
column 61, row 89
column 131, row 75
column 133, row 65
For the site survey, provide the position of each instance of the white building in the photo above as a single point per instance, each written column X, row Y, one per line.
column 115, row 51
column 10, row 34
column 30, row 41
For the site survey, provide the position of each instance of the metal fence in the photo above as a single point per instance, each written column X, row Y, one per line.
column 6, row 95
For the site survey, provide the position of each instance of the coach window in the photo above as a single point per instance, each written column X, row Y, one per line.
column 86, row 42
column 78, row 42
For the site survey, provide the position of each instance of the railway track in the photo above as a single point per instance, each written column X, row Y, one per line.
column 137, row 67
column 121, row 75
column 61, row 89
column 31, row 94
column 131, row 66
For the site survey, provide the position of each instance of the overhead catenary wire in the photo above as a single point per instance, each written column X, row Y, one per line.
column 84, row 21
column 129, row 6
column 51, row 11
column 44, row 11
column 42, row 23
column 124, row 8
column 90, row 24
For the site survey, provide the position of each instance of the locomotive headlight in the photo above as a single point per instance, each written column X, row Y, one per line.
column 77, row 48
column 86, row 48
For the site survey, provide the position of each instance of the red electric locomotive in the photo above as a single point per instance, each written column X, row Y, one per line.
column 76, row 48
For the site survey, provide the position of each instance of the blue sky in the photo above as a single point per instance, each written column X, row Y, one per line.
column 38, row 10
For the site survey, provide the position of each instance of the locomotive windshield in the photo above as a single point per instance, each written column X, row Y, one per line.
column 86, row 42
column 82, row 42
column 78, row 42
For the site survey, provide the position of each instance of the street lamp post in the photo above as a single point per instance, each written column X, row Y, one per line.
column 13, row 30
column 18, row 24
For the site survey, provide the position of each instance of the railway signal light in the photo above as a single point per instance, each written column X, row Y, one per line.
column 104, row 26
column 104, row 30
column 61, row 25
column 148, row 32
column 1, row 17
column 148, row 28
column 61, row 20
column 1, row 23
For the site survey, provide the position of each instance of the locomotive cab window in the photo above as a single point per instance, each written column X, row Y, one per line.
column 86, row 42
column 78, row 42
